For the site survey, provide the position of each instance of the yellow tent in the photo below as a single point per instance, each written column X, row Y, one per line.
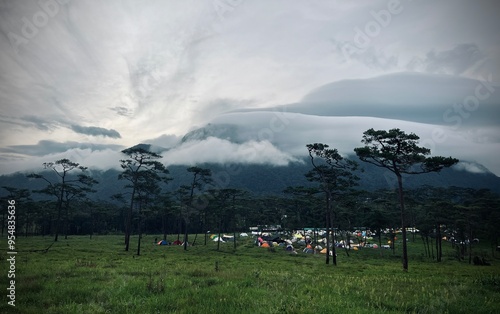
column 323, row 251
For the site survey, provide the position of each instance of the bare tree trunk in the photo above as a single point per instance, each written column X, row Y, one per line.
column 438, row 243
column 403, row 225
column 139, row 230
column 425, row 247
column 185, row 234
column 59, row 209
column 128, row 223
column 234, row 240
column 218, row 238
column 66, row 221
column 327, row 218
column 334, row 249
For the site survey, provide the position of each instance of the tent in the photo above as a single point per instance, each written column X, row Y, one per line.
column 243, row 234
column 177, row 242
column 162, row 242
column 265, row 244
column 227, row 238
column 216, row 239
column 298, row 236
column 323, row 251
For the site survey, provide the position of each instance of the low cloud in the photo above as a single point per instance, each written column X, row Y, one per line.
column 95, row 131
column 215, row 150
column 94, row 159
column 164, row 140
column 47, row 147
column 470, row 167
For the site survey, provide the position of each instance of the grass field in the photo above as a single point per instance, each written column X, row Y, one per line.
column 79, row 275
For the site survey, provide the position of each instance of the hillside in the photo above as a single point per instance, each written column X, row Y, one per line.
column 266, row 179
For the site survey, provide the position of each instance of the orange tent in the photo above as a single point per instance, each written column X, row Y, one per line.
column 265, row 244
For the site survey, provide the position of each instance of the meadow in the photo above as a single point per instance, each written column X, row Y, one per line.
column 82, row 275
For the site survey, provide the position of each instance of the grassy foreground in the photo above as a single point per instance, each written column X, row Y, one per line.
column 79, row 275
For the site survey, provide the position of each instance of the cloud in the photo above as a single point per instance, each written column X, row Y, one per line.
column 371, row 57
column 40, row 123
column 122, row 111
column 470, row 167
column 454, row 61
column 47, row 147
column 417, row 97
column 164, row 140
column 95, row 131
column 215, row 150
column 165, row 67
column 95, row 159
column 290, row 132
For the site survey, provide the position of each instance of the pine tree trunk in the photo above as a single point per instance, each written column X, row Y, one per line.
column 403, row 225
column 128, row 223
column 139, row 230
column 185, row 234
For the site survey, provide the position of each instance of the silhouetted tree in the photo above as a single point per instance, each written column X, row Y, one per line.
column 335, row 175
column 142, row 170
column 200, row 178
column 66, row 185
column 399, row 153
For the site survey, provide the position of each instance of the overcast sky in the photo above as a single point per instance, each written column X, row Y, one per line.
column 85, row 79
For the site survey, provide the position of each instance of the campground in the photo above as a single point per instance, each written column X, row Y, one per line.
column 82, row 275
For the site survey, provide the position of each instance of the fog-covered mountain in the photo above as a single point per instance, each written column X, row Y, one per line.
column 266, row 179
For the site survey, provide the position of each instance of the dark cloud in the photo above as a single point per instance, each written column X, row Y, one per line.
column 121, row 111
column 40, row 123
column 454, row 61
column 46, row 147
column 405, row 96
column 95, row 131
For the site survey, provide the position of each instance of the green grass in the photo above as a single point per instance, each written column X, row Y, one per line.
column 79, row 275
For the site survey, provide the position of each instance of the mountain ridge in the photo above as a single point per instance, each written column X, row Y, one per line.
column 272, row 180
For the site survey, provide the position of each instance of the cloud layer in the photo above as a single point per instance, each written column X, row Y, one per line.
column 125, row 72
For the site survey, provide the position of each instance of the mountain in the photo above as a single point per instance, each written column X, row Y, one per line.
column 272, row 180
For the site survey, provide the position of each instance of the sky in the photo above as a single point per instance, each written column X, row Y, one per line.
column 85, row 79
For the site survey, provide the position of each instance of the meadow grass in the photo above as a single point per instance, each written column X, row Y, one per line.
column 79, row 275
